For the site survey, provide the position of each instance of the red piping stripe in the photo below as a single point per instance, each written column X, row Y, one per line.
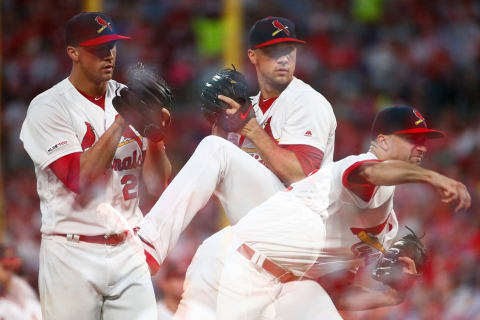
column 372, row 230
column 347, row 184
column 146, row 242
column 102, row 39
column 278, row 40
column 420, row 130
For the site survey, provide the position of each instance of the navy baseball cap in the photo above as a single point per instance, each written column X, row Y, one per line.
column 90, row 29
column 272, row 30
column 402, row 120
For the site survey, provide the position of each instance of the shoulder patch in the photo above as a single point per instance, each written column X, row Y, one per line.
column 57, row 146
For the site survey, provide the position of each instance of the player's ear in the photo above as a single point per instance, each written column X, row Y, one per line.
column 252, row 56
column 383, row 142
column 72, row 52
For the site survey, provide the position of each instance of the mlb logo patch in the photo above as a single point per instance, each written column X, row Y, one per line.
column 57, row 146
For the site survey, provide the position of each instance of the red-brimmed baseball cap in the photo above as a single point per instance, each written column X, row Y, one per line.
column 402, row 120
column 88, row 29
column 272, row 30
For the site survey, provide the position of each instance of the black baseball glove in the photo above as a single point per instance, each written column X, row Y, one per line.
column 232, row 84
column 389, row 269
column 145, row 102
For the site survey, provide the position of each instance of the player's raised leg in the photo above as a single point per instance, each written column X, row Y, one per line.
column 216, row 166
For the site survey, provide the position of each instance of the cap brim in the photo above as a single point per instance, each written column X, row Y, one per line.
column 278, row 40
column 102, row 40
column 429, row 133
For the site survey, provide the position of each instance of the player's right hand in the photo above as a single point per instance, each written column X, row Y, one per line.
column 452, row 191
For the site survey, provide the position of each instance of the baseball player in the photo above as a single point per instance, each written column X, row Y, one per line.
column 89, row 162
column 326, row 225
column 291, row 134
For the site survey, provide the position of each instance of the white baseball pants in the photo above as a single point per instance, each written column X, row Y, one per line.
column 87, row 281
column 222, row 284
column 216, row 167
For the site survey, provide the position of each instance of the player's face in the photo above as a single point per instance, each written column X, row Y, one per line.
column 409, row 147
column 98, row 62
column 275, row 64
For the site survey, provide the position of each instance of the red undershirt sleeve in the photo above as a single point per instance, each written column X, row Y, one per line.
column 310, row 158
column 353, row 182
column 67, row 170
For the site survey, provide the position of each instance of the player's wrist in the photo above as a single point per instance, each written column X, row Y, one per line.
column 156, row 146
column 120, row 122
column 430, row 177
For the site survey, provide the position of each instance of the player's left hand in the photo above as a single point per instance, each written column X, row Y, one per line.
column 402, row 264
column 145, row 102
column 233, row 105
column 249, row 126
column 225, row 100
column 452, row 191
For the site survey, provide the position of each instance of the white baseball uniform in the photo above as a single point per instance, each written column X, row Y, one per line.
column 80, row 280
column 300, row 115
column 310, row 231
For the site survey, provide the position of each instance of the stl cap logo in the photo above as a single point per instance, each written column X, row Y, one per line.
column 103, row 23
column 280, row 27
column 419, row 116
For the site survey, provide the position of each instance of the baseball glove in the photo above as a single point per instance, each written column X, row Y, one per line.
column 143, row 101
column 232, row 84
column 389, row 269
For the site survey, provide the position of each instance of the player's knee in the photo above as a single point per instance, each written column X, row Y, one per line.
column 212, row 143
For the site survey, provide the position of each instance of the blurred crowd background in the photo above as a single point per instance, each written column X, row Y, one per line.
column 362, row 55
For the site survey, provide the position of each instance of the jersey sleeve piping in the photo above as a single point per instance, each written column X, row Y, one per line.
column 348, row 184
column 58, row 156
column 364, row 191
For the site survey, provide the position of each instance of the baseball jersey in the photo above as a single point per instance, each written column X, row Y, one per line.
column 300, row 115
column 355, row 218
column 313, row 226
column 61, row 121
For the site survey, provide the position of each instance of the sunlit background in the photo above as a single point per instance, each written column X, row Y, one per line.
column 362, row 55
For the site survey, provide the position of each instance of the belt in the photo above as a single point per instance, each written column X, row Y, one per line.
column 268, row 265
column 108, row 239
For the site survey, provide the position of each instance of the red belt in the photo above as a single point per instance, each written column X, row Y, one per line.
column 109, row 239
column 271, row 267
